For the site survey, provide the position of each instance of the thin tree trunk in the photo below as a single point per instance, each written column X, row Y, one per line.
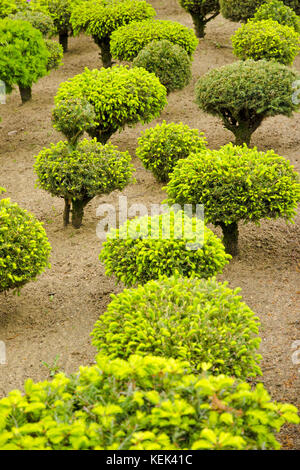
column 243, row 134
column 78, row 211
column 67, row 209
column 100, row 135
column 105, row 53
column 230, row 238
column 63, row 41
column 25, row 93
column 199, row 24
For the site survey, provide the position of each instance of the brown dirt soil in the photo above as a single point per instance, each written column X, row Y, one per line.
column 55, row 315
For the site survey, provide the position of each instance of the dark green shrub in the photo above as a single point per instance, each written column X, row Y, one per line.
column 162, row 146
column 197, row 320
column 24, row 247
column 73, row 117
column 56, row 54
column 144, row 403
column 127, row 41
column 201, row 11
column 278, row 11
column 146, row 248
column 170, row 63
column 243, row 94
column 242, row 10
column 236, row 184
column 100, row 19
column 120, row 96
column 266, row 39
column 79, row 174
column 37, row 19
column 24, row 56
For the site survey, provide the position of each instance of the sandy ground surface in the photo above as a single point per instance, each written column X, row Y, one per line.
column 55, row 315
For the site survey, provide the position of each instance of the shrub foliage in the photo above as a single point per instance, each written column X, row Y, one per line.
column 56, row 53
column 37, row 19
column 201, row 11
column 277, row 11
column 242, row 10
column 162, row 146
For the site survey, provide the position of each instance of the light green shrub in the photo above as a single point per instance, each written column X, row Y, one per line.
column 24, row 247
column 144, row 403
column 170, row 63
column 236, row 184
column 37, row 19
column 278, row 11
column 201, row 11
column 127, row 41
column 79, row 174
column 56, row 54
column 197, row 320
column 162, row 146
column 242, row 10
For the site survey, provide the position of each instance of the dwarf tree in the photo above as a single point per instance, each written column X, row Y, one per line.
column 201, row 11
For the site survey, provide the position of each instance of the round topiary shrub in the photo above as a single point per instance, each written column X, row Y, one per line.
column 236, row 184
column 120, row 96
column 127, row 41
column 200, row 321
column 146, row 248
column 144, row 403
column 73, row 117
column 277, row 11
column 244, row 93
column 266, row 39
column 242, row 10
column 201, row 11
column 79, row 174
column 56, row 54
column 162, row 146
column 100, row 19
column 24, row 56
column 170, row 63
column 24, row 247
column 37, row 19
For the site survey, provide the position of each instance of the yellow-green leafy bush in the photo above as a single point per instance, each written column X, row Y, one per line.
column 100, row 18
column 56, row 54
column 120, row 96
column 190, row 319
column 162, row 146
column 236, row 184
column 170, row 63
column 266, row 39
column 201, row 11
column 146, row 248
column 127, row 41
column 79, row 174
column 144, row 403
column 278, row 11
column 37, row 19
column 242, row 10
column 24, row 246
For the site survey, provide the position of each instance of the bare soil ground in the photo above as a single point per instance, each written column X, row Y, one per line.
column 55, row 315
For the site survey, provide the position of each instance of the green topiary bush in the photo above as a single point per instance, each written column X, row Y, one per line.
column 37, row 19
column 73, row 117
column 170, row 63
column 99, row 19
column 243, row 94
column 56, row 54
column 266, row 39
column 201, row 11
column 197, row 320
column 127, row 41
column 236, row 184
column 162, row 146
column 144, row 403
column 146, row 248
column 24, row 247
column 120, row 96
column 242, row 10
column 79, row 174
column 278, row 11
column 24, row 56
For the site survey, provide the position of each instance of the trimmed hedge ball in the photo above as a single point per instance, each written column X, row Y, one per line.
column 37, row 19
column 170, row 63
column 242, row 10
column 24, row 247
column 146, row 248
column 162, row 146
column 197, row 320
column 266, row 39
column 277, row 11
column 127, row 41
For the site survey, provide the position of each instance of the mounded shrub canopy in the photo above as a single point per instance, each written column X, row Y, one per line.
column 265, row 88
column 79, row 174
column 236, row 184
column 170, row 63
column 147, row 247
column 37, row 19
column 201, row 11
column 242, row 10
column 197, row 320
column 162, row 146
column 56, row 54
column 127, row 41
column 24, row 247
column 120, row 96
column 266, row 39
column 144, row 403
column 277, row 11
